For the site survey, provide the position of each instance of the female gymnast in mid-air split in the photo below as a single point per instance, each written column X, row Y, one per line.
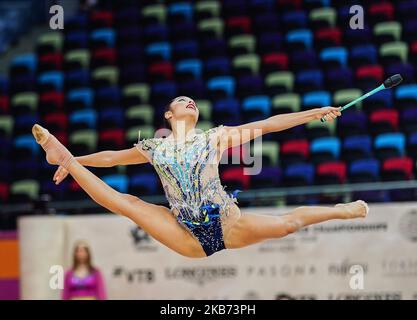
column 203, row 218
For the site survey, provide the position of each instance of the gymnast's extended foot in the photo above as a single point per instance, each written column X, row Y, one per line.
column 356, row 209
column 56, row 153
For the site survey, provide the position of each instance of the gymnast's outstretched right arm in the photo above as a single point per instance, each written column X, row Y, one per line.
column 108, row 158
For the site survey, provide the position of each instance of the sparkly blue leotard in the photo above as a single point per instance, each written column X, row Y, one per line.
column 189, row 174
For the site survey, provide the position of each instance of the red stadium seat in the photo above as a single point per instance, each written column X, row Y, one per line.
column 329, row 172
column 59, row 119
column 376, row 72
column 102, row 18
column 104, row 56
column 51, row 100
column 235, row 178
column 387, row 120
column 4, row 104
column 413, row 51
column 293, row 4
column 162, row 69
column 398, row 168
column 4, row 191
column 237, row 25
column 327, row 37
column 413, row 47
column 275, row 61
column 51, row 61
column 381, row 11
column 294, row 151
column 113, row 138
column 62, row 136
column 296, row 146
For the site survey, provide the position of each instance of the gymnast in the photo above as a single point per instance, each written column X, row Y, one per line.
column 202, row 217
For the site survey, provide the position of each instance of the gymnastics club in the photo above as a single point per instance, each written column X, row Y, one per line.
column 392, row 81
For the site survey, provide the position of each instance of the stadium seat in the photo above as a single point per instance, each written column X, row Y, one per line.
column 388, row 145
column 364, row 170
column 293, row 151
column 299, row 174
column 331, row 173
column 356, row 147
column 234, row 178
column 119, row 182
column 325, row 149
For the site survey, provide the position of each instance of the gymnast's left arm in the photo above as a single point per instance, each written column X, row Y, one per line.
column 232, row 136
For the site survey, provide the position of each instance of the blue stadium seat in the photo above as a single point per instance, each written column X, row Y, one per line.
column 77, row 39
column 5, row 170
column 54, row 78
column 26, row 60
column 228, row 110
column 84, row 95
column 257, row 103
column 295, row 19
column 4, row 84
column 183, row 9
column 366, row 52
column 120, row 182
column 303, row 36
column 162, row 49
column 391, row 140
column 87, row 116
column 78, row 21
column 383, row 98
column 405, row 69
column 105, row 35
column 193, row 87
column 186, row 48
column 317, row 99
column 109, row 96
column 166, row 89
column 223, row 83
column 269, row 177
column 218, row 65
column 193, row 66
column 27, row 142
column 406, row 91
column 144, row 183
column 113, row 115
column 326, row 144
column 361, row 143
column 300, row 171
column 310, row 78
column 338, row 54
column 269, row 41
column 23, row 123
column 319, row 3
column 78, row 78
column 364, row 170
column 156, row 32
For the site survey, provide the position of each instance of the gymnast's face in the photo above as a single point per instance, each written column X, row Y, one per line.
column 182, row 108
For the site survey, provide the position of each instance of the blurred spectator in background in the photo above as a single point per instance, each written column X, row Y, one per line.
column 83, row 280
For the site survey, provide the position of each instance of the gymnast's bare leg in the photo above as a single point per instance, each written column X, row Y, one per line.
column 160, row 223
column 156, row 220
column 254, row 228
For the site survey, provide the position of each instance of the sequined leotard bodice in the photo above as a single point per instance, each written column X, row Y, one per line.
column 189, row 174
